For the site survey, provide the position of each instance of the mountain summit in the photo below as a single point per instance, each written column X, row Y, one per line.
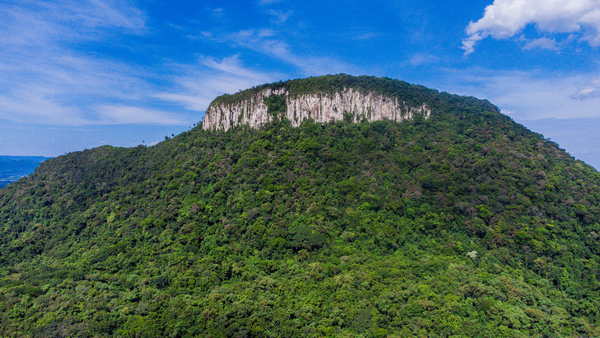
column 333, row 206
column 322, row 99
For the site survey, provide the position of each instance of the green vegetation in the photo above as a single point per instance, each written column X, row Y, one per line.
column 411, row 94
column 462, row 225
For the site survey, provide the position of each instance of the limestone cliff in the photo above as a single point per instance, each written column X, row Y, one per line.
column 350, row 103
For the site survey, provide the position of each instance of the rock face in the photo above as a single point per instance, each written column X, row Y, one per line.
column 348, row 103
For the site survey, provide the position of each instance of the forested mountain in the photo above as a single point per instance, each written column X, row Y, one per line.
column 461, row 224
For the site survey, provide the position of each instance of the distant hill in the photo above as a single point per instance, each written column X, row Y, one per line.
column 457, row 222
column 12, row 168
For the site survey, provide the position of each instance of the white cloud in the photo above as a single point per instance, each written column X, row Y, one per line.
column 541, row 43
column 41, row 22
column 279, row 17
column 114, row 114
column 265, row 41
column 44, row 80
column 218, row 12
column 261, row 40
column 422, row 59
column 268, row 2
column 269, row 43
column 529, row 95
column 365, row 36
column 506, row 18
column 191, row 99
column 232, row 66
column 37, row 108
column 590, row 89
column 58, row 87
column 199, row 84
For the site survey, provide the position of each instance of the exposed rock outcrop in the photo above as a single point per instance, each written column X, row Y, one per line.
column 349, row 103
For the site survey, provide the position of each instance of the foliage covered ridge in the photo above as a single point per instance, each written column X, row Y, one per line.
column 330, row 84
column 464, row 224
column 323, row 99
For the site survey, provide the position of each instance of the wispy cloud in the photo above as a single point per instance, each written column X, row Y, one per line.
column 218, row 12
column 365, row 36
column 506, row 18
column 590, row 89
column 266, row 41
column 60, row 87
column 422, row 59
column 279, row 17
column 541, row 43
column 529, row 95
column 116, row 114
column 45, row 79
column 200, row 83
column 42, row 22
column 268, row 2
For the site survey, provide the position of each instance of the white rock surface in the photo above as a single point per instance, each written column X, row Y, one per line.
column 320, row 107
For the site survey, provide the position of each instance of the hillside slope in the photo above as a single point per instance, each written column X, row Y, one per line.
column 460, row 224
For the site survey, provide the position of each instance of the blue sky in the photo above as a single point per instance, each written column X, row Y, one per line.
column 80, row 74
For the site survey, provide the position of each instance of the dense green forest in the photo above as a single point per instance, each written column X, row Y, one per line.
column 464, row 224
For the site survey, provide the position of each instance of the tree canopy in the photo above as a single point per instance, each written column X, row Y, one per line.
column 464, row 224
